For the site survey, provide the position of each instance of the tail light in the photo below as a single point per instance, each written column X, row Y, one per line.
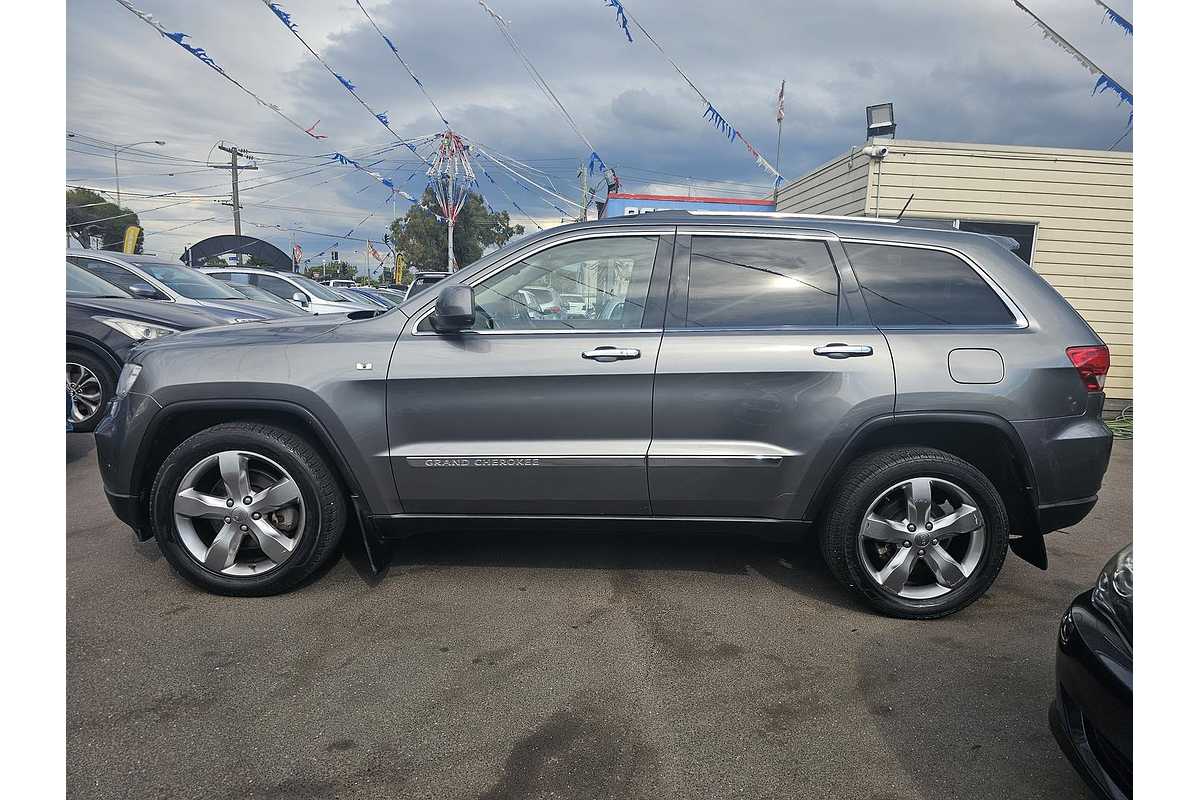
column 1092, row 365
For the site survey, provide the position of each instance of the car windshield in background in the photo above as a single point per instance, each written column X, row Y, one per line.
column 188, row 282
column 317, row 290
column 81, row 283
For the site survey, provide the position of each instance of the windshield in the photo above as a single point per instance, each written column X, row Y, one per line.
column 317, row 290
column 188, row 282
column 81, row 283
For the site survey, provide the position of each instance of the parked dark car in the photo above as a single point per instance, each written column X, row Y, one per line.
column 1092, row 713
column 919, row 399
column 103, row 323
column 424, row 280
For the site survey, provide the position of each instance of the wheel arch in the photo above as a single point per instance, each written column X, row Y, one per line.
column 177, row 421
column 95, row 348
column 983, row 440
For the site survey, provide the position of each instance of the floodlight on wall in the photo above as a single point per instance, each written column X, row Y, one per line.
column 881, row 120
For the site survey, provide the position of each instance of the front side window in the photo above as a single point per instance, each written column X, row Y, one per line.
column 906, row 286
column 611, row 274
column 189, row 282
column 752, row 282
column 81, row 283
column 116, row 275
column 276, row 286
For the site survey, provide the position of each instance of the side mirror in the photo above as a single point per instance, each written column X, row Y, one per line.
column 455, row 309
column 300, row 299
column 143, row 290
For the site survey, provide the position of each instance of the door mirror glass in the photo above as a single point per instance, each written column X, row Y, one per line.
column 143, row 290
column 300, row 299
column 455, row 309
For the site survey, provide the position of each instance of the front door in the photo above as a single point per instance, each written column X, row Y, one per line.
column 767, row 366
column 541, row 409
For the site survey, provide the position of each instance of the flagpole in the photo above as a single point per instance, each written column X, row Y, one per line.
column 778, row 142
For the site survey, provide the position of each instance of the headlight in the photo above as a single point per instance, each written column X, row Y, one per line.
column 129, row 376
column 138, row 331
column 1113, row 594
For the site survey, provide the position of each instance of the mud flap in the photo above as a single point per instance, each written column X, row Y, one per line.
column 377, row 549
column 1031, row 548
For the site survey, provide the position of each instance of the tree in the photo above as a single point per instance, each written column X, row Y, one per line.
column 420, row 237
column 334, row 269
column 89, row 214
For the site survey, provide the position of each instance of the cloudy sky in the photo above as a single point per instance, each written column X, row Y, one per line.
column 975, row 71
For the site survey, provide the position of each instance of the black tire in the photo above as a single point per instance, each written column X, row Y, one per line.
column 108, row 383
column 872, row 474
column 319, row 487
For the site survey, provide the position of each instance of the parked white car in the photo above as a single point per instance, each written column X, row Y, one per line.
column 304, row 292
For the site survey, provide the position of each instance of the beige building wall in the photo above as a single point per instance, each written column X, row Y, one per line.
column 1081, row 202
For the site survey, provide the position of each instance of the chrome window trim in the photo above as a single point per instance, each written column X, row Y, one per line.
column 1020, row 320
column 475, row 280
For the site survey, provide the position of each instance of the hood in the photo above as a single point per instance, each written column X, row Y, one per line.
column 290, row 330
column 156, row 312
column 229, row 310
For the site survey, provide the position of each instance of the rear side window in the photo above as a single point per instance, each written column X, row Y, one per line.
column 916, row 286
column 752, row 282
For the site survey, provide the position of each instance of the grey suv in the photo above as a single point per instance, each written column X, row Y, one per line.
column 920, row 399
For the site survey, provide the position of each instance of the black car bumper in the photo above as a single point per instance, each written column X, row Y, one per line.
column 117, row 437
column 1092, row 713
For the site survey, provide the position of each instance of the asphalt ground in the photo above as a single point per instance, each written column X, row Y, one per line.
column 560, row 666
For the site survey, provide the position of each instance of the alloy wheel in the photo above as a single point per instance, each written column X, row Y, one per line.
column 239, row 513
column 85, row 390
column 922, row 538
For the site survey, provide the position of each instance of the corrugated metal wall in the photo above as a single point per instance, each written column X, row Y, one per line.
column 1080, row 200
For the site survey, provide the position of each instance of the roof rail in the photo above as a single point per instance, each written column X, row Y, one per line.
column 789, row 215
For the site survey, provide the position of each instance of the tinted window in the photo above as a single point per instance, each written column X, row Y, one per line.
column 188, row 282
column 118, row 276
column 612, row 273
column 756, row 283
column 914, row 286
column 81, row 283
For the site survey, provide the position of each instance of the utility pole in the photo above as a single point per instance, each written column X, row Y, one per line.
column 233, row 168
column 583, row 192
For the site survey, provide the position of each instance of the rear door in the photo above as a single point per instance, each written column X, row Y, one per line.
column 530, row 414
column 767, row 365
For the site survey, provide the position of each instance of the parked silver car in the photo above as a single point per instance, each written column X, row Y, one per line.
column 919, row 399
column 157, row 278
column 298, row 289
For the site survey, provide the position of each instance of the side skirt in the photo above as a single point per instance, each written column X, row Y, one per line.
column 399, row 526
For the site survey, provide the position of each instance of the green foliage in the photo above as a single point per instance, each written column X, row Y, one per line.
column 420, row 238
column 336, row 269
column 85, row 206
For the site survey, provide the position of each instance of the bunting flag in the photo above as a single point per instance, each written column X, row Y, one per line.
column 373, row 253
column 286, row 18
column 711, row 114
column 622, row 20
column 403, row 63
column 1115, row 18
column 207, row 60
column 1104, row 81
column 594, row 161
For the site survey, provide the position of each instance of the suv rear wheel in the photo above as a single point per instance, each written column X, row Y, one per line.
column 246, row 509
column 919, row 532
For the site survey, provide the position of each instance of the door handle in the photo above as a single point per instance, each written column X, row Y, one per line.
column 607, row 353
column 840, row 350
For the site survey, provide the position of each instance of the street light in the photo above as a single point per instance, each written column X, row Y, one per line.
column 116, row 167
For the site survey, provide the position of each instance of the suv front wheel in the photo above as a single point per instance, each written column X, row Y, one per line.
column 246, row 509
column 919, row 532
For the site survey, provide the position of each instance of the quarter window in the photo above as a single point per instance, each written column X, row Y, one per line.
column 610, row 276
column 915, row 286
column 752, row 282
